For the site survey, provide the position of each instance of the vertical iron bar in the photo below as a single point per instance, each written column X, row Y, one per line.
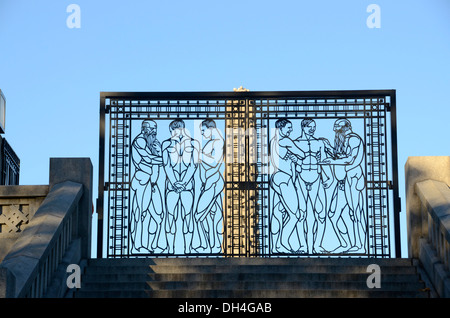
column 129, row 199
column 396, row 197
column 101, row 179
column 387, row 167
column 247, row 213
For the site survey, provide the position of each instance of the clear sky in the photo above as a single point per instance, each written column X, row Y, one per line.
column 52, row 75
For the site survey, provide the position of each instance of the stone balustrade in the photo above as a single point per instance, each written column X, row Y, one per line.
column 44, row 229
column 428, row 217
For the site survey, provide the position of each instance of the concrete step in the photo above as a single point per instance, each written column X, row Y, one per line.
column 248, row 269
column 179, row 265
column 271, row 269
column 307, row 261
column 92, row 277
column 266, row 293
column 247, row 278
column 278, row 285
column 277, row 277
column 289, row 293
column 139, row 293
column 247, row 284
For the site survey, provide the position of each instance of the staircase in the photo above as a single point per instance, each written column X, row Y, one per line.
column 248, row 278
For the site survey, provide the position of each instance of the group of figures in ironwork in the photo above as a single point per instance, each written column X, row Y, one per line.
column 155, row 212
column 317, row 185
column 317, row 190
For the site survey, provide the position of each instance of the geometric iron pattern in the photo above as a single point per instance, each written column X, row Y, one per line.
column 248, row 174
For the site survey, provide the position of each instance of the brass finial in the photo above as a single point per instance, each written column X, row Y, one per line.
column 241, row 89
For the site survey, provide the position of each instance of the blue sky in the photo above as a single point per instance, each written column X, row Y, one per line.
column 52, row 75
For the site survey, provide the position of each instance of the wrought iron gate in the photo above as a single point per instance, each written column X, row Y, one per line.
column 248, row 174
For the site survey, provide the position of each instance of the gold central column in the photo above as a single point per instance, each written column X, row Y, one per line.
column 240, row 179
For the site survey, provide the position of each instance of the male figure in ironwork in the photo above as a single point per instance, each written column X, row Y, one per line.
column 347, row 214
column 209, row 211
column 147, row 209
column 180, row 159
column 287, row 209
column 312, row 180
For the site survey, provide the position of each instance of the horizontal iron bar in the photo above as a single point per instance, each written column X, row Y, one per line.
column 248, row 95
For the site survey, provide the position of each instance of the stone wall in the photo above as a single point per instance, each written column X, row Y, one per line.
column 44, row 228
column 419, row 169
column 18, row 204
column 428, row 218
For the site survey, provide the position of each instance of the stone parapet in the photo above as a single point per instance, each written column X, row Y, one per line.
column 18, row 204
column 45, row 231
column 419, row 169
column 44, row 228
column 428, row 217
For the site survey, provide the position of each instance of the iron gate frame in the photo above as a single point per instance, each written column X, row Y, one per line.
column 265, row 104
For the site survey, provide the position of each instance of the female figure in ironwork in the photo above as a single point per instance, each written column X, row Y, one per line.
column 286, row 210
column 147, row 208
column 180, row 160
column 209, row 213
column 347, row 214
column 312, row 180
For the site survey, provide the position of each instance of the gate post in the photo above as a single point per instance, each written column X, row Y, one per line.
column 77, row 170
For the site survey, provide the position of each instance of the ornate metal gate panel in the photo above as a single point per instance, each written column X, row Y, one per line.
column 248, row 174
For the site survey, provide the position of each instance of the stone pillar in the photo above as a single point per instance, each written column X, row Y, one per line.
column 419, row 169
column 77, row 170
